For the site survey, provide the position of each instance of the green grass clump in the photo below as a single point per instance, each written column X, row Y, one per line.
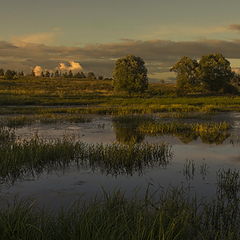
column 22, row 158
column 209, row 132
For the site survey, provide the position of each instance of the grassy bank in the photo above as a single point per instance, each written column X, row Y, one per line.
column 170, row 215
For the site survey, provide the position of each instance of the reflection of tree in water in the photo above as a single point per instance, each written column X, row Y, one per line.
column 133, row 129
column 217, row 137
column 186, row 137
column 127, row 133
column 213, row 138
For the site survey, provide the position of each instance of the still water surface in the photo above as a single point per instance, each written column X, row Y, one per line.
column 61, row 187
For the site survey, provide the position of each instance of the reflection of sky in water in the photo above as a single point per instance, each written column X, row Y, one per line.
column 61, row 188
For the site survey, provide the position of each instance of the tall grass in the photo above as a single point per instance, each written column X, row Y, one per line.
column 22, row 158
column 173, row 215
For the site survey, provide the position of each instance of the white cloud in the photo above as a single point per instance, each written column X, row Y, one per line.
column 38, row 71
column 73, row 66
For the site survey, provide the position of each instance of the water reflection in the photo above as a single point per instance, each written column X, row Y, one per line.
column 128, row 133
column 134, row 129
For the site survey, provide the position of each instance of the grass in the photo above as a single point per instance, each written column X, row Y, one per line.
column 22, row 158
column 84, row 96
column 23, row 120
column 186, row 115
column 133, row 129
column 210, row 132
column 167, row 215
column 189, row 169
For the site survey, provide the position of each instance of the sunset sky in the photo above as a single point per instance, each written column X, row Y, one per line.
column 97, row 32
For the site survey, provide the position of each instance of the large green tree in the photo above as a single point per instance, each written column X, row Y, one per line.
column 215, row 72
column 187, row 75
column 130, row 74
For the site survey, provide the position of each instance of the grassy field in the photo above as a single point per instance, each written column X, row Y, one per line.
column 49, row 95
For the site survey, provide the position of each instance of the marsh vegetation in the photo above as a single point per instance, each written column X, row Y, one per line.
column 174, row 159
column 169, row 215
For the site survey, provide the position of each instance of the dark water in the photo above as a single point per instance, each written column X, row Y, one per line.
column 61, row 188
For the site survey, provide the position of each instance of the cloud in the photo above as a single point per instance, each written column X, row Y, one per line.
column 159, row 55
column 37, row 38
column 178, row 31
column 235, row 27
column 73, row 66
column 38, row 71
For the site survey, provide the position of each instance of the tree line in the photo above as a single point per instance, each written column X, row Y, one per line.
column 211, row 74
column 11, row 74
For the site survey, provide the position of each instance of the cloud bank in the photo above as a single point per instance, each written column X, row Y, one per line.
column 158, row 54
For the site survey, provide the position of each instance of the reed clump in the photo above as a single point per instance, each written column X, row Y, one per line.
column 22, row 158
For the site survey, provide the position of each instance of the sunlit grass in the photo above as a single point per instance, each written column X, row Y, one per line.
column 47, row 118
column 97, row 97
column 209, row 132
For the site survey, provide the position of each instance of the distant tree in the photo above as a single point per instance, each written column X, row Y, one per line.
column 100, row 77
column 187, row 74
column 83, row 75
column 33, row 74
column 91, row 75
column 1, row 72
column 215, row 72
column 78, row 75
column 65, row 74
column 70, row 74
column 9, row 74
column 130, row 74
column 20, row 74
column 42, row 74
column 56, row 74
column 47, row 74
column 52, row 75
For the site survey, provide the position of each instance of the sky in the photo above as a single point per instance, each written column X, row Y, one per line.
column 90, row 35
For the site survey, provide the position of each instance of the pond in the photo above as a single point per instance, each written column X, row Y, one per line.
column 194, row 163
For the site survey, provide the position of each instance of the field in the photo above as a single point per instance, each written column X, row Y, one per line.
column 80, row 161
column 27, row 94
